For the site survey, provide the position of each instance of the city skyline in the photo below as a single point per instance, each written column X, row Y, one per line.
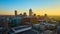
column 40, row 7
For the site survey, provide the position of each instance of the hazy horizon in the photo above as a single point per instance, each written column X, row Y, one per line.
column 40, row 7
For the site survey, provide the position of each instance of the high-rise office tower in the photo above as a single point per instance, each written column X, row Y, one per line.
column 15, row 12
column 24, row 14
column 30, row 12
column 34, row 14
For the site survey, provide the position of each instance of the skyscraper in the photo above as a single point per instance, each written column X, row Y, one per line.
column 30, row 12
column 15, row 12
column 24, row 14
column 34, row 14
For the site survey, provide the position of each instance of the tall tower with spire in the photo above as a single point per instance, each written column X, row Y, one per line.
column 30, row 12
column 15, row 12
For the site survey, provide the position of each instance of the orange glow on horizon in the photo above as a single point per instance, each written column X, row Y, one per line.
column 54, row 12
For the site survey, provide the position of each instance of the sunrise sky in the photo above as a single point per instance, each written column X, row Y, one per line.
column 40, row 7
